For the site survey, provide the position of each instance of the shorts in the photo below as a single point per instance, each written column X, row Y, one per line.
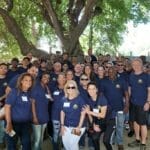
column 139, row 115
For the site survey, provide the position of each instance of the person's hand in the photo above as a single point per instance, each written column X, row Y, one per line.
column 146, row 106
column 9, row 127
column 96, row 128
column 87, row 109
column 35, row 121
column 126, row 109
column 63, row 129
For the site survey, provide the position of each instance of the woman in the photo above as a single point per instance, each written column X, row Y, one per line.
column 69, row 75
column 18, row 113
column 41, row 96
column 96, row 111
column 72, row 116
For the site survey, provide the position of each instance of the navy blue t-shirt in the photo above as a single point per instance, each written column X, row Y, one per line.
column 72, row 109
column 57, row 95
column 11, row 74
column 13, row 82
column 114, row 92
column 39, row 94
column 83, row 94
column 139, row 88
column 20, row 105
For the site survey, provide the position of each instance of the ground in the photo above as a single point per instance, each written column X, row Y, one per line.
column 47, row 144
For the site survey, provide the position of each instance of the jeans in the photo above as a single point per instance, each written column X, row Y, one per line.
column 56, row 131
column 2, row 131
column 120, row 118
column 38, row 134
column 23, row 132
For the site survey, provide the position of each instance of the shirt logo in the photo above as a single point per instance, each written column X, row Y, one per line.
column 117, row 86
column 75, row 106
column 54, row 79
column 140, row 81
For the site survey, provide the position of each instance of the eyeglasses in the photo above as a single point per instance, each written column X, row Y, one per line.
column 71, row 87
column 86, row 79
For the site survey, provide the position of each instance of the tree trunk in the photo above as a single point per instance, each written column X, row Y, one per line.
column 15, row 30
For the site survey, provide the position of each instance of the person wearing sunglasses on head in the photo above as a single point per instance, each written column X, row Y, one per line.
column 72, row 116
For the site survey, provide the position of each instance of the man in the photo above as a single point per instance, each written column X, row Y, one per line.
column 90, row 53
column 139, row 90
column 116, row 91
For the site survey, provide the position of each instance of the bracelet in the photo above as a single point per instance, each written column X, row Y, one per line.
column 61, row 124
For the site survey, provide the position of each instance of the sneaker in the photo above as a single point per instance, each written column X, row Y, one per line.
column 142, row 147
column 134, row 144
column 131, row 133
column 120, row 147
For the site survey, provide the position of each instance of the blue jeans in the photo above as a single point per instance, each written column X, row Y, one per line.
column 23, row 132
column 38, row 134
column 2, row 131
column 120, row 117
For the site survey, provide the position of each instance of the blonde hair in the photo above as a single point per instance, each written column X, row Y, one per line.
column 74, row 84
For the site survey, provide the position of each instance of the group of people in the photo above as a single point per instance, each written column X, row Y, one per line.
column 74, row 101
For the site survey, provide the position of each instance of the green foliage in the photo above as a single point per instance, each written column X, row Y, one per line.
column 108, row 25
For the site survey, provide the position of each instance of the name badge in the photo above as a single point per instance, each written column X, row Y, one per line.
column 120, row 112
column 24, row 98
column 66, row 104
column 56, row 93
column 95, row 110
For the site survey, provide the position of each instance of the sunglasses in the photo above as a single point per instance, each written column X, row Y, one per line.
column 86, row 79
column 71, row 87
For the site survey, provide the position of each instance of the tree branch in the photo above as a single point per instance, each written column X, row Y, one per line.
column 55, row 22
column 88, row 14
column 16, row 31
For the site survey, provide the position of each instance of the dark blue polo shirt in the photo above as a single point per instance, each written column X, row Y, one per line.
column 139, row 88
column 72, row 109
column 20, row 105
column 41, row 102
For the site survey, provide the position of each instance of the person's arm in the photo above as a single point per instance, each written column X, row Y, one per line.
column 62, row 119
column 126, row 108
column 82, row 117
column 101, row 114
column 35, row 120
column 8, row 118
column 147, row 104
column 7, row 90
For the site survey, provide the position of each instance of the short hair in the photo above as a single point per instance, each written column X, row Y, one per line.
column 137, row 59
column 4, row 64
